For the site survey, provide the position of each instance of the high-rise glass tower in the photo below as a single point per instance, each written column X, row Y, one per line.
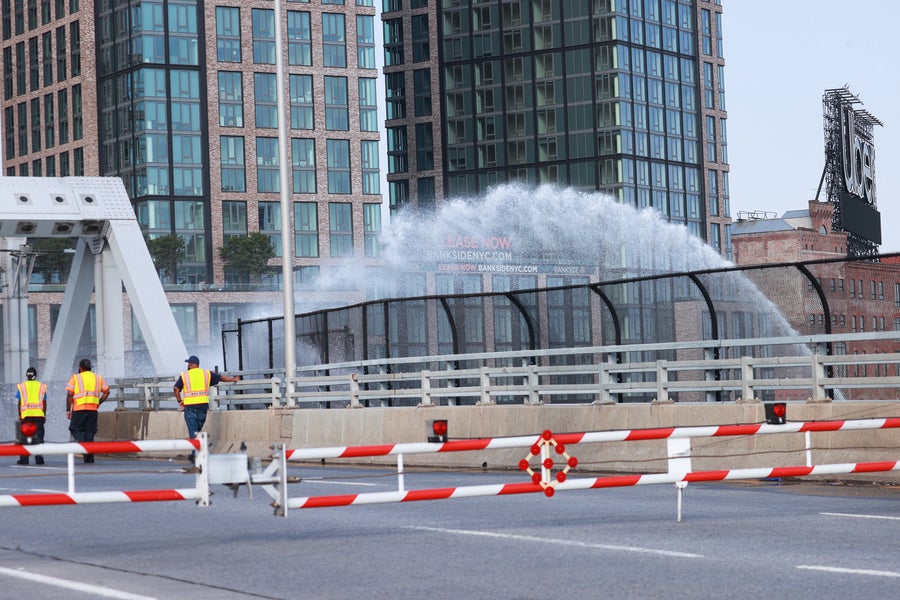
column 179, row 99
column 621, row 96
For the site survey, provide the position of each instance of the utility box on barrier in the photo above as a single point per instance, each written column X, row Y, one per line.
column 228, row 468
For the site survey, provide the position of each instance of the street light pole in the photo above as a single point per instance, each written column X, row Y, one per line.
column 287, row 255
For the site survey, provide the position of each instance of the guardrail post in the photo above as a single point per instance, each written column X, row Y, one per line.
column 485, row 380
column 354, row 390
column 605, row 396
column 709, row 354
column 533, row 383
column 426, row 388
column 662, row 381
column 747, row 392
column 147, row 399
column 818, row 376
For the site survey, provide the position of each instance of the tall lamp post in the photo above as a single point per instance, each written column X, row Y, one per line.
column 287, row 262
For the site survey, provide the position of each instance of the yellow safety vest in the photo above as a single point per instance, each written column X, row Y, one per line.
column 31, row 399
column 195, row 386
column 87, row 391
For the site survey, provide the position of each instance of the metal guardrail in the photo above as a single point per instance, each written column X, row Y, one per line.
column 604, row 377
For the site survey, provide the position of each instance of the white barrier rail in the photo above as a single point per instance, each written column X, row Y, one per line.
column 606, row 375
column 679, row 461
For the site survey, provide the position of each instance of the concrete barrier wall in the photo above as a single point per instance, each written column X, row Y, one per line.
column 309, row 428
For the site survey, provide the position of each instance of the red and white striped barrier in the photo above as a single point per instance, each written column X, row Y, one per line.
column 200, row 492
column 625, row 435
column 48, row 449
column 585, row 484
column 679, row 471
column 99, row 497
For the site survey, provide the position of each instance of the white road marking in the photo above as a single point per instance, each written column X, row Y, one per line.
column 850, row 571
column 340, row 482
column 73, row 585
column 529, row 538
column 860, row 516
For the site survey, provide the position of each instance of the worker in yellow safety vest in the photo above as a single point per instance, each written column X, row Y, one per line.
column 85, row 392
column 192, row 392
column 31, row 397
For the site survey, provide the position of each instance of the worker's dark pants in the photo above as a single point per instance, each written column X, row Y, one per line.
column 83, row 427
column 37, row 438
column 195, row 417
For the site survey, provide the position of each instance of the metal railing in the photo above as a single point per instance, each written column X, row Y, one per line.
column 602, row 374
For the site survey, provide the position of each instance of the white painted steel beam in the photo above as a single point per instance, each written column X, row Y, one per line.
column 110, row 251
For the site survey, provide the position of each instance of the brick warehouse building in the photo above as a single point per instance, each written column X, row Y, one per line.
column 863, row 295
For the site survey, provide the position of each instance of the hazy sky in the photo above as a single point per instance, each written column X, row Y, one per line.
column 780, row 56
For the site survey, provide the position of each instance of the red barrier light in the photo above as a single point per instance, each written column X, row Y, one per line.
column 28, row 429
column 776, row 413
column 436, row 431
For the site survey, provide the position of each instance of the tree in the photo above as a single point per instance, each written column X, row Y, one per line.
column 248, row 254
column 51, row 259
column 166, row 251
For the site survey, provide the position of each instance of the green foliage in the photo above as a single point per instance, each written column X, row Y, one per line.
column 51, row 258
column 166, row 251
column 248, row 254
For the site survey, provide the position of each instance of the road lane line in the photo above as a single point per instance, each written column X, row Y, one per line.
column 74, row 585
column 860, row 516
column 849, row 571
column 529, row 538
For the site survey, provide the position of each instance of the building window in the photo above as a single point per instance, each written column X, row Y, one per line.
column 334, row 40
column 299, row 38
column 270, row 224
column 77, row 122
column 340, row 224
column 34, row 72
column 365, row 42
column 370, row 170
column 338, row 157
column 36, row 136
column 8, row 73
column 398, row 156
column 395, row 84
column 368, row 105
column 228, row 34
column 267, row 176
column 424, row 147
column 425, row 195
column 372, row 228
column 234, row 219
column 231, row 99
column 263, row 36
column 303, row 157
column 47, row 43
column 421, row 48
column 302, row 115
column 20, row 66
column 233, row 165
column 393, row 42
column 306, row 230
column 422, row 91
column 264, row 89
column 336, row 105
column 75, row 46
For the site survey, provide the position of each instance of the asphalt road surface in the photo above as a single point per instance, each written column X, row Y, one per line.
column 736, row 540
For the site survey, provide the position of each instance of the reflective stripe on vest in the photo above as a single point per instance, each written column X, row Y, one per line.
column 195, row 386
column 31, row 399
column 87, row 391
